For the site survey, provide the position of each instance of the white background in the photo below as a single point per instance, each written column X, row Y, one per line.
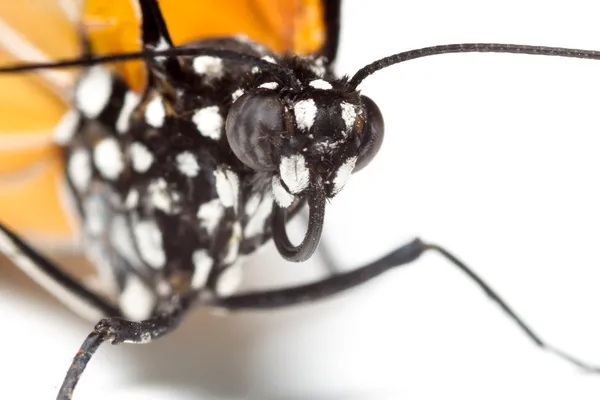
column 495, row 157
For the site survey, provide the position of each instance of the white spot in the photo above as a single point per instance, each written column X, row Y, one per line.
column 160, row 196
column 202, row 265
column 269, row 85
column 95, row 218
column 306, row 112
column 79, row 169
column 145, row 337
column 348, row 115
column 228, row 186
column 141, row 158
column 237, row 94
column 234, row 244
column 256, row 223
column 150, row 243
column 320, row 84
column 93, row 91
column 229, row 281
column 161, row 45
column 294, row 173
column 234, row 180
column 137, row 300
column 66, row 127
column 155, row 112
column 224, row 189
column 343, row 174
column 211, row 67
column 283, row 198
column 209, row 122
column 187, row 164
column 210, row 214
column 108, row 158
column 130, row 102
column 132, row 199
column 270, row 59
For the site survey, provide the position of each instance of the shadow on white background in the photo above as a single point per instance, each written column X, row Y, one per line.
column 495, row 157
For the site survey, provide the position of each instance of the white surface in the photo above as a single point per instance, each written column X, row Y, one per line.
column 493, row 156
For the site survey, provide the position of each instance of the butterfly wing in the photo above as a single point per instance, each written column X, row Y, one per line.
column 31, row 109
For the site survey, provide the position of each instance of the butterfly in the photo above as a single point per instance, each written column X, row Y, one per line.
column 183, row 159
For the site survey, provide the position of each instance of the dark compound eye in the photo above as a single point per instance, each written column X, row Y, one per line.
column 369, row 127
column 253, row 127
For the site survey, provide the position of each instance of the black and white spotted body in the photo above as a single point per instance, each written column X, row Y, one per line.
column 166, row 204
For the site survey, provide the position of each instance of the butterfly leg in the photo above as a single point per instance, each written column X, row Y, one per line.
column 401, row 256
column 118, row 330
column 51, row 277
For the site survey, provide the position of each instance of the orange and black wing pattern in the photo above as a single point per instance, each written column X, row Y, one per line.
column 35, row 107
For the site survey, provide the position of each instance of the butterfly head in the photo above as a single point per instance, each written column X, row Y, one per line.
column 311, row 139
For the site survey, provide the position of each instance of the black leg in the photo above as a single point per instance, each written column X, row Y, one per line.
column 399, row 257
column 51, row 277
column 155, row 35
column 332, row 19
column 154, row 28
column 117, row 330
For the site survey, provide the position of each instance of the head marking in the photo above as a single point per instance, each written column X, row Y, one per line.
column 282, row 197
column 306, row 112
column 294, row 173
column 320, row 84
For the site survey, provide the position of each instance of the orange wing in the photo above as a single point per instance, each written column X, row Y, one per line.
column 296, row 26
column 31, row 106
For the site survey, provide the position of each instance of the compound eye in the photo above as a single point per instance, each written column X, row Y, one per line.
column 369, row 127
column 253, row 127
